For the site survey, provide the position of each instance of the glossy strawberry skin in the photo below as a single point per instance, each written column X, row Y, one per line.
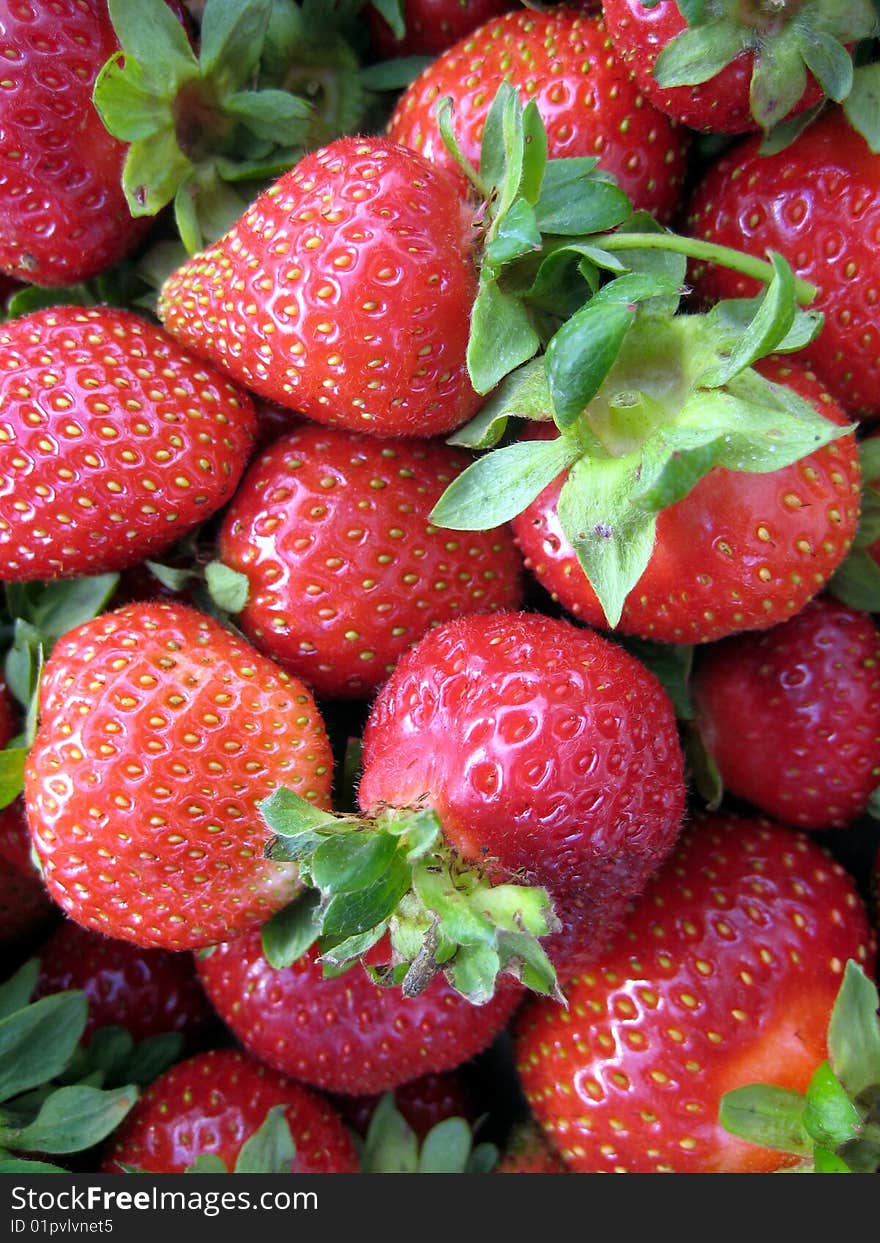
column 422, row 1102
column 345, row 569
column 213, row 1103
column 159, row 732
column 146, row 991
column 548, row 753
column 720, row 105
column 25, row 905
column 113, row 442
column 739, row 552
column 817, row 203
column 344, row 293
column 433, row 25
column 63, row 215
column 725, row 975
column 346, row 1034
column 590, row 106
column 792, row 716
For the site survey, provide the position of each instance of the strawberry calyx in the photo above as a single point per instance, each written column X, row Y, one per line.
column 268, row 82
column 270, row 1150
column 833, row 1127
column 391, row 1146
column 786, row 39
column 857, row 580
column 645, row 403
column 394, row 876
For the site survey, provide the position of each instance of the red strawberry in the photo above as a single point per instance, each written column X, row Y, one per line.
column 431, row 26
column 159, row 732
column 63, row 215
column 740, row 551
column 550, row 763
column 817, row 203
column 726, row 975
column 732, row 68
column 791, row 717
column 146, row 991
column 527, row 1152
column 343, row 292
column 345, row 1034
column 564, row 60
column 212, row 1104
column 345, row 570
column 24, row 904
column 421, row 1102
column 113, row 442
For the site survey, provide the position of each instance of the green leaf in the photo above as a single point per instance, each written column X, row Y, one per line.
column 573, row 201
column 854, row 1032
column 18, row 1165
column 349, row 914
column 502, row 336
column 207, row 1163
column 524, row 394
column 500, row 485
column 59, row 606
column 391, row 1146
column 352, row 861
column 12, row 762
column 483, row 1159
column 767, row 1115
column 526, row 959
column 149, row 32
column 733, row 317
column 828, row 61
column 772, row 322
column 75, row 1118
column 392, row 11
column 446, row 1149
column 229, row 588
column 288, row 934
column 154, row 169
column 698, row 53
column 502, row 150
column 16, row 992
column 830, row 1117
column 534, row 153
column 856, row 582
column 671, row 664
column 127, row 106
column 270, row 1150
column 288, row 814
column 862, row 105
column 580, row 355
column 152, row 1057
column 473, row 972
column 274, row 116
column 231, row 40
column 784, row 133
column 779, row 79
column 37, row 1042
column 517, row 235
column 108, row 1051
column 611, row 531
column 826, row 1162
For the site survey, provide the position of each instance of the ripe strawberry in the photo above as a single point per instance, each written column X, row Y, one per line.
column 212, row 1104
column 511, row 763
column 25, row 905
column 565, row 61
column 815, row 202
column 113, row 443
column 731, row 68
column 791, row 717
column 159, row 732
column 63, row 215
column 431, row 26
column 345, row 1034
column 343, row 293
column 725, row 975
column 740, row 551
column 146, row 991
column 422, row 1103
column 345, row 570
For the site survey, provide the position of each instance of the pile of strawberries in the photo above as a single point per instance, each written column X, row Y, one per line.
column 438, row 528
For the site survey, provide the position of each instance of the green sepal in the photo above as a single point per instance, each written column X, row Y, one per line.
column 19, row 1165
column 773, row 319
column 392, row 11
column 16, row 992
column 827, row 1162
column 830, row 1117
column 123, row 99
column 766, row 1115
column 205, row 1163
column 228, row 588
column 392, row 1147
column 698, row 53
column 72, row 1119
column 704, row 773
column 12, row 762
column 502, row 335
column 274, row 116
column 856, row 581
column 501, row 484
column 38, row 1041
column 271, row 1149
column 154, row 169
column 293, row 930
column 784, row 133
column 854, row 1032
column 231, row 36
column 581, row 354
column 862, row 105
column 151, row 1057
column 576, row 199
column 779, row 79
column 517, row 235
column 828, row 61
column 523, row 394
column 151, row 35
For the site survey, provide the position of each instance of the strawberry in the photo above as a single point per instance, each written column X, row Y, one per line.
column 512, row 763
column 428, row 27
column 63, row 214
column 527, row 1152
column 146, row 991
column 114, row 442
column 345, row 1034
column 24, row 904
column 815, row 202
column 159, row 732
column 343, row 293
column 811, row 687
column 727, row 68
column 422, row 1103
column 212, row 1104
column 739, row 552
column 726, row 974
column 344, row 569
column 564, row 60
